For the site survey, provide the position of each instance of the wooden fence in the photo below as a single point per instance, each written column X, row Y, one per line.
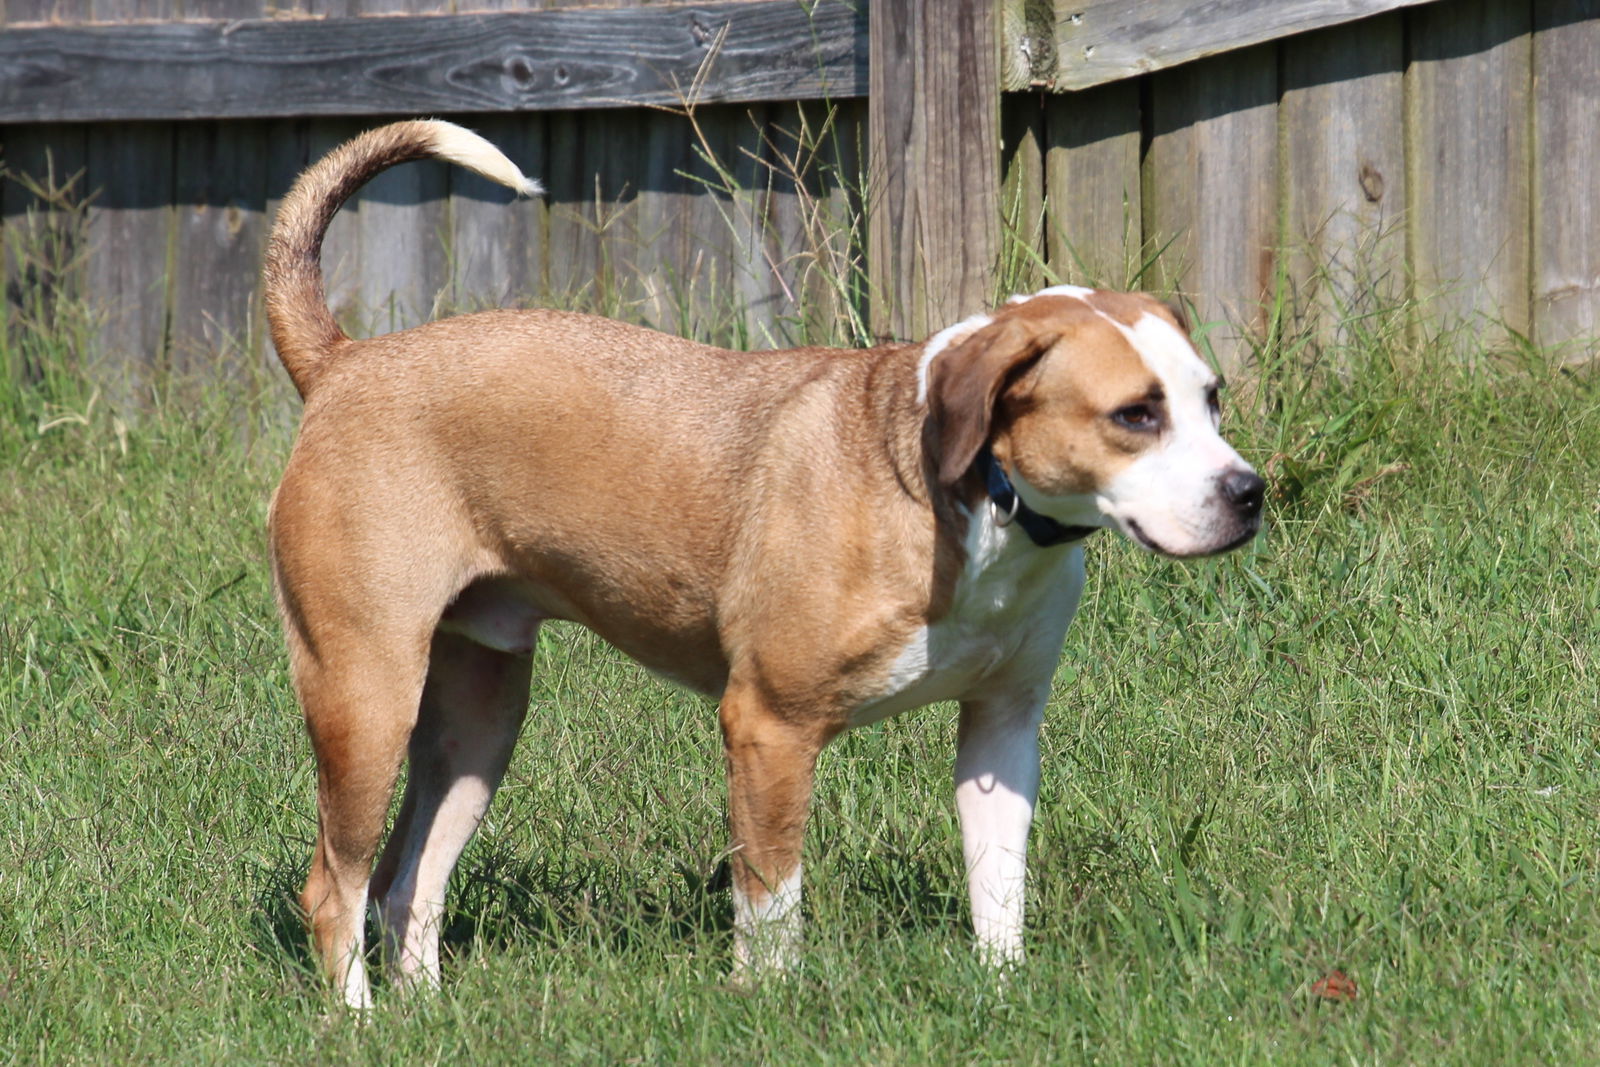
column 1443, row 151
column 829, row 161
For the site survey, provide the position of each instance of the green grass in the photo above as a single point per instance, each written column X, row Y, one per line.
column 1366, row 743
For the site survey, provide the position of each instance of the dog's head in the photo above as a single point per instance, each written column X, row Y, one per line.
column 1102, row 413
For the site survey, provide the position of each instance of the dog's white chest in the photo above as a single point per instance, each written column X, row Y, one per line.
column 1005, row 628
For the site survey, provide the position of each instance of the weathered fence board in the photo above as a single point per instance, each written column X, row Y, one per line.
column 666, row 219
column 218, row 192
column 746, row 210
column 1566, row 160
column 1022, row 194
column 1469, row 196
column 1027, row 44
column 494, row 61
column 1092, row 184
column 45, row 256
column 1098, row 41
column 816, row 228
column 1210, row 187
column 497, row 248
column 130, row 287
column 719, row 271
column 402, row 234
column 935, row 134
column 1343, row 118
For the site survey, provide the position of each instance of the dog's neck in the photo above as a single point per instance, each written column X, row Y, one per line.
column 1009, row 507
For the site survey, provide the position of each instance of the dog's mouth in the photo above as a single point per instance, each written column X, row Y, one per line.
column 1144, row 540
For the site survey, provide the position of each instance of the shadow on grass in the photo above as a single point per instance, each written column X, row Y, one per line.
column 908, row 892
column 500, row 900
column 503, row 900
column 277, row 926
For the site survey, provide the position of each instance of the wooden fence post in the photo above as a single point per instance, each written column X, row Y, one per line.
column 1566, row 155
column 933, row 120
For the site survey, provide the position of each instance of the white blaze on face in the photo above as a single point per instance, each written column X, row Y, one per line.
column 1055, row 290
column 1170, row 497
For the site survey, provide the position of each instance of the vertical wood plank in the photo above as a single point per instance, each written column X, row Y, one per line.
column 497, row 239
column 672, row 254
column 499, row 242
column 350, row 8
column 844, row 187
column 756, row 283
column 1210, row 184
column 1022, row 229
column 45, row 238
column 131, row 232
column 1566, row 215
column 402, row 227
column 573, row 251
column 613, row 159
column 225, row 9
column 719, row 270
column 18, row 12
column 1092, row 185
column 935, row 146
column 220, row 224
column 404, row 223
column 220, row 193
column 130, row 245
column 1467, row 140
column 815, row 242
column 1344, row 172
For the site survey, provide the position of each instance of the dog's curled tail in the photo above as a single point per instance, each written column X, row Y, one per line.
column 302, row 326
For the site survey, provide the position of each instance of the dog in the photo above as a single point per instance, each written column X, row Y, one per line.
column 815, row 538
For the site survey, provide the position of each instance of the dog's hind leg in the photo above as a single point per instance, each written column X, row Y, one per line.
column 472, row 709
column 771, row 760
column 359, row 712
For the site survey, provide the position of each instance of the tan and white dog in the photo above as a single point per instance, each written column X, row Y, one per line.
column 816, row 538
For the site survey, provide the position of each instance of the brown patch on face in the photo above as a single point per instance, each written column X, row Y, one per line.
column 1048, row 417
column 965, row 382
column 1055, row 421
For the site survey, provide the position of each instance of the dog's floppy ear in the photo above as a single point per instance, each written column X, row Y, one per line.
column 965, row 384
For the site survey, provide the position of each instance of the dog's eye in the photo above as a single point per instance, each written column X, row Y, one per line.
column 1140, row 417
column 1213, row 400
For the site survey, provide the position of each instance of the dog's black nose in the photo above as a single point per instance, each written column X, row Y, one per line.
column 1244, row 490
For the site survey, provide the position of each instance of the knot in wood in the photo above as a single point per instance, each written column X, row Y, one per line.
column 1371, row 179
column 520, row 70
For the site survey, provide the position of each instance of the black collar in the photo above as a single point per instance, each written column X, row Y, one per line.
column 1041, row 529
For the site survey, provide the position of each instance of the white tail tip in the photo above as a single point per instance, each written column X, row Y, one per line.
column 461, row 146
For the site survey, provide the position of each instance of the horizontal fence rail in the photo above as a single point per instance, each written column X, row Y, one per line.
column 423, row 64
column 1077, row 44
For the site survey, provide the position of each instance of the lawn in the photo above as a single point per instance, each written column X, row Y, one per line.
column 1366, row 743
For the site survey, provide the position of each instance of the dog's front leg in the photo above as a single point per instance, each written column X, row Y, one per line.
column 771, row 759
column 997, row 782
